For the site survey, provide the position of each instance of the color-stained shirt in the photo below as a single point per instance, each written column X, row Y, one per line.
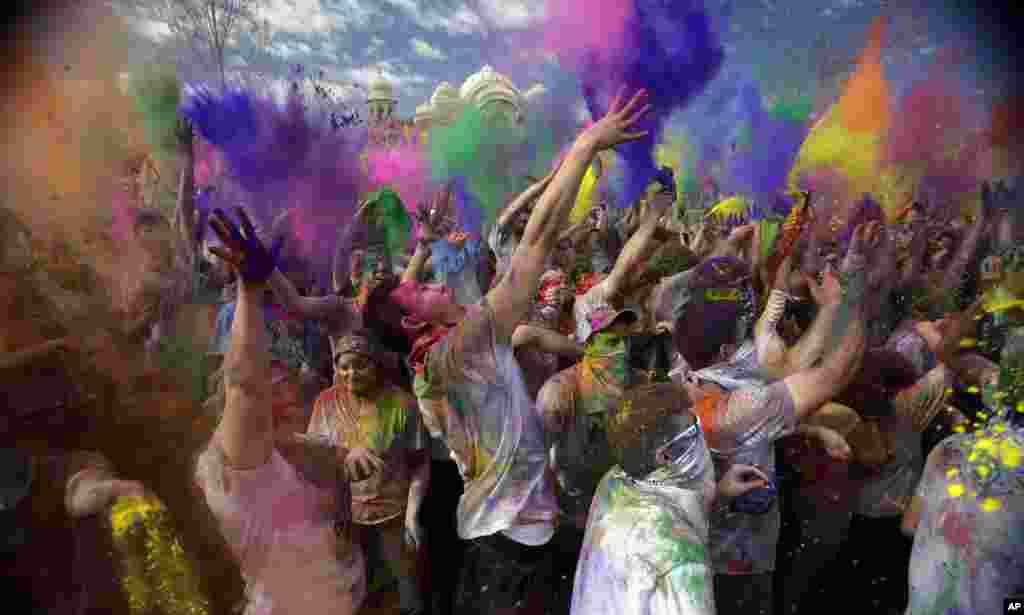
column 390, row 427
column 283, row 537
column 472, row 394
column 742, row 427
column 645, row 551
column 969, row 545
column 575, row 405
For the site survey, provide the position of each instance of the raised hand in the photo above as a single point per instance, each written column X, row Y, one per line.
column 829, row 291
column 613, row 128
column 437, row 219
column 244, row 252
column 856, row 253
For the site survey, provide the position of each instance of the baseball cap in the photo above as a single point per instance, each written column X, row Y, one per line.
column 599, row 317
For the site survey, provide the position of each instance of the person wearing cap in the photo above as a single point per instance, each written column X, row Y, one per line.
column 378, row 424
column 741, row 426
column 575, row 405
column 626, row 281
column 645, row 550
column 471, row 393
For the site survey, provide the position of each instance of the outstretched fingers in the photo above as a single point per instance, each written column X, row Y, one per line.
column 224, row 232
column 247, row 226
column 232, row 258
column 638, row 98
column 618, row 100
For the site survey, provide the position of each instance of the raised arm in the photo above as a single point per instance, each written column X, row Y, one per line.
column 434, row 223
column 829, row 296
column 311, row 308
column 964, row 254
column 640, row 247
column 811, row 388
column 511, row 298
column 521, row 202
column 246, row 430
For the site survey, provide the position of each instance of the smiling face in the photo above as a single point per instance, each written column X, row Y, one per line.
column 356, row 372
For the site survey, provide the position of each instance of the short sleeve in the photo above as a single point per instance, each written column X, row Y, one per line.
column 756, row 414
column 467, row 354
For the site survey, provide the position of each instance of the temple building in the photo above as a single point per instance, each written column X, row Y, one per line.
column 490, row 91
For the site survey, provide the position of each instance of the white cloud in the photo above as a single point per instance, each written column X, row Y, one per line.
column 462, row 20
column 152, row 29
column 425, row 50
column 400, row 79
column 305, row 16
column 336, row 53
column 510, row 14
column 288, row 49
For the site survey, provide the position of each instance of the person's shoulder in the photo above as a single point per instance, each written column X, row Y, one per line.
column 328, row 395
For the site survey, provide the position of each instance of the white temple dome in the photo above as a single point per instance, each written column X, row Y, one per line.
column 535, row 92
column 423, row 112
column 444, row 94
column 487, row 86
column 381, row 90
column 445, row 103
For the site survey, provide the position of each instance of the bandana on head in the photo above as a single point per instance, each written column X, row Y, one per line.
column 356, row 344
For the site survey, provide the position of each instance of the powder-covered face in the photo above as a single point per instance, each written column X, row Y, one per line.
column 356, row 372
column 432, row 303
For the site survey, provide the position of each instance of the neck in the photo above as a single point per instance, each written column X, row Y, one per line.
column 369, row 394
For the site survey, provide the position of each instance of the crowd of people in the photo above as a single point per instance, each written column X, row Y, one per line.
column 634, row 414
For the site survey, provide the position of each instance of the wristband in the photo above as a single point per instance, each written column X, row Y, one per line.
column 776, row 307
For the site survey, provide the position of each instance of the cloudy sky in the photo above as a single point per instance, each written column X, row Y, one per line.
column 417, row 44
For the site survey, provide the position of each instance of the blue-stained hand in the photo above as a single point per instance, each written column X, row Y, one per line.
column 242, row 247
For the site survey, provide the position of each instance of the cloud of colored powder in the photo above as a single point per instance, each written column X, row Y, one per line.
column 669, row 49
